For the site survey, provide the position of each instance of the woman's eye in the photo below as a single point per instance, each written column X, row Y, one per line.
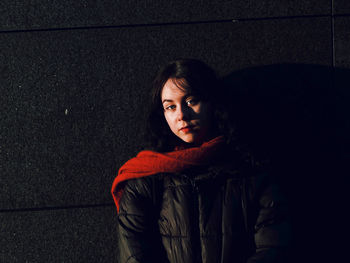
column 170, row 107
column 191, row 102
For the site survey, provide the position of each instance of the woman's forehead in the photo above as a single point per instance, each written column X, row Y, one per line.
column 173, row 89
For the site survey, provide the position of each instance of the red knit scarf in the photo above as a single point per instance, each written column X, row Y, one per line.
column 148, row 162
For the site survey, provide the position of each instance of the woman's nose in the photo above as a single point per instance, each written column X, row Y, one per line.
column 183, row 113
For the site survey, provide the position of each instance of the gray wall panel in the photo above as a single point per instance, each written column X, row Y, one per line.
column 341, row 6
column 67, row 235
column 37, row 14
column 74, row 99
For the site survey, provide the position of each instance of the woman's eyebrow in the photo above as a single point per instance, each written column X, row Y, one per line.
column 167, row 100
column 184, row 97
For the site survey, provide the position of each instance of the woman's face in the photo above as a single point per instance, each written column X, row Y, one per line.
column 188, row 117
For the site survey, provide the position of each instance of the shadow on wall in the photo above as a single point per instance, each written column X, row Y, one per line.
column 298, row 115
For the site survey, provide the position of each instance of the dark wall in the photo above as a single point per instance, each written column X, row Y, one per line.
column 73, row 81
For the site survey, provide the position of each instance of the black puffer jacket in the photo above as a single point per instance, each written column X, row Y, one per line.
column 212, row 214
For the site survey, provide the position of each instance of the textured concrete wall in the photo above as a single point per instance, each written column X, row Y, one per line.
column 73, row 81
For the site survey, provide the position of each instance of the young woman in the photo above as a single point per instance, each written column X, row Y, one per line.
column 194, row 197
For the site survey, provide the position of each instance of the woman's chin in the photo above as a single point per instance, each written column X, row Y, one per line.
column 187, row 139
column 191, row 139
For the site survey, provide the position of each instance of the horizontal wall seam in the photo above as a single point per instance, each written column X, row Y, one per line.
column 169, row 24
column 48, row 208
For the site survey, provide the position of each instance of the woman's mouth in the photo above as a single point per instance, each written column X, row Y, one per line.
column 187, row 129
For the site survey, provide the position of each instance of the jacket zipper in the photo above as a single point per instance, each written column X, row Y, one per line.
column 250, row 238
column 196, row 229
column 244, row 204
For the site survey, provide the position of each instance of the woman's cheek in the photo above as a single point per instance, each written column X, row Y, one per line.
column 169, row 119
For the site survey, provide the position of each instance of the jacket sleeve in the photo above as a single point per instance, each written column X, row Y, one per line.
column 272, row 230
column 138, row 240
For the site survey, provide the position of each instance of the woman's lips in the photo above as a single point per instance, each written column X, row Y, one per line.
column 187, row 129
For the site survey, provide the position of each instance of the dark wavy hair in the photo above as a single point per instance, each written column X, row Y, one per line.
column 198, row 79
